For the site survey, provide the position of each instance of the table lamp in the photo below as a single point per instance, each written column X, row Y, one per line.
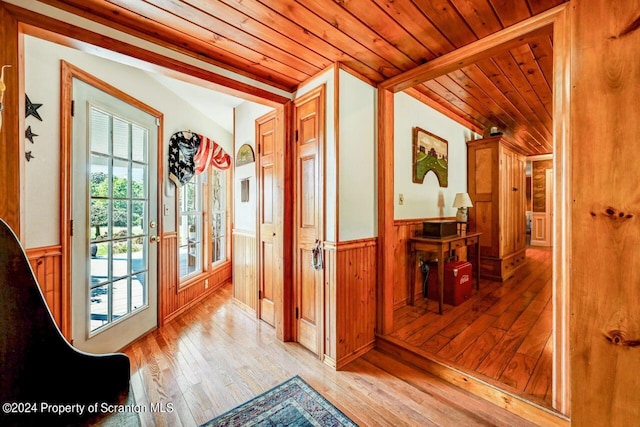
column 462, row 202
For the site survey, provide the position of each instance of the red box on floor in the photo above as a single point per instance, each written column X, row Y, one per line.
column 457, row 282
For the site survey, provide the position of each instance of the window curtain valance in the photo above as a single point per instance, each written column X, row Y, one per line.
column 191, row 153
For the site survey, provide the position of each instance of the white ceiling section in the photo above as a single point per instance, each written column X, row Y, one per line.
column 215, row 105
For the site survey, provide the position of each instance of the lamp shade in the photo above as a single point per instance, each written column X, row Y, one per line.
column 462, row 200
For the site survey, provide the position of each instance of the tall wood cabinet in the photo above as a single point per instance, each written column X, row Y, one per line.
column 496, row 185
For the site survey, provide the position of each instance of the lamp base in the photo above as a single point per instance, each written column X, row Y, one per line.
column 462, row 216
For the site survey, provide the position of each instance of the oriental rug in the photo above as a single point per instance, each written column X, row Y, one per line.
column 292, row 403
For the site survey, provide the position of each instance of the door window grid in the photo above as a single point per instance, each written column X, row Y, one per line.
column 118, row 207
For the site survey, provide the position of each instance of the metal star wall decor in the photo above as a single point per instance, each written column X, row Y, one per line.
column 29, row 134
column 28, row 155
column 32, row 109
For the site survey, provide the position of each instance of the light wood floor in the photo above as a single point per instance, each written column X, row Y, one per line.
column 502, row 335
column 216, row 356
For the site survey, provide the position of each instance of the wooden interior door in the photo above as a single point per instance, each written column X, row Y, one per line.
column 265, row 138
column 308, row 202
column 541, row 221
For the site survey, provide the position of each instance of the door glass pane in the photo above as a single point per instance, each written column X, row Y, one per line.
column 99, row 271
column 120, row 218
column 99, row 181
column 120, row 179
column 99, row 131
column 138, row 256
column 120, row 260
column 99, row 310
column 99, row 219
column 138, row 144
column 138, row 181
column 139, row 219
column 120, row 138
column 120, row 298
column 138, row 291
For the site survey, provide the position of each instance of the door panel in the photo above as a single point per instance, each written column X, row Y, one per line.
column 308, row 207
column 265, row 137
column 114, row 213
column 308, row 304
column 309, row 125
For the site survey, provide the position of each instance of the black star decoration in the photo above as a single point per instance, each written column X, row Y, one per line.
column 29, row 134
column 28, row 155
column 32, row 109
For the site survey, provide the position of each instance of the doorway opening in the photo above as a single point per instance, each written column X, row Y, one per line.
column 555, row 261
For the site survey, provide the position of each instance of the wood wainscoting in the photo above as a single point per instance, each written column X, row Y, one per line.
column 174, row 299
column 350, row 297
column 46, row 263
column 245, row 269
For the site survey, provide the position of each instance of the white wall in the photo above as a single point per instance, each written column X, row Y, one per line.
column 426, row 200
column 358, row 212
column 330, row 160
column 42, row 85
column 246, row 214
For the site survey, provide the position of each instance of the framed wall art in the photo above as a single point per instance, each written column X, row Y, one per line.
column 430, row 153
column 245, row 155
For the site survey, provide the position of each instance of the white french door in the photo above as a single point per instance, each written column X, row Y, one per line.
column 114, row 212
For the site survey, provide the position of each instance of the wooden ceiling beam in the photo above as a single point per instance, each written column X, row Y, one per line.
column 504, row 40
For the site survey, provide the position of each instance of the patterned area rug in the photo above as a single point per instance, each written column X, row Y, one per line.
column 292, row 403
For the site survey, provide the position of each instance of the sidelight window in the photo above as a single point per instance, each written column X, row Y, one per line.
column 190, row 230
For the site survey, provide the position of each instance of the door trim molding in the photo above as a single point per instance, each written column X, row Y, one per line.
column 68, row 72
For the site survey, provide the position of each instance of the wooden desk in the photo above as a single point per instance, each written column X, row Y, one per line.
column 440, row 247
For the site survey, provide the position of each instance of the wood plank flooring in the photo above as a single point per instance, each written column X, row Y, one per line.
column 216, row 356
column 501, row 335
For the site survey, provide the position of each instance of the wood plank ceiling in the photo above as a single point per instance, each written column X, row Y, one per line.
column 285, row 42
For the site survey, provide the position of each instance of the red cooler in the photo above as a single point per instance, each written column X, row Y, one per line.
column 457, row 282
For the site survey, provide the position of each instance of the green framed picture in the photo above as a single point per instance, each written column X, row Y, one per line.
column 430, row 153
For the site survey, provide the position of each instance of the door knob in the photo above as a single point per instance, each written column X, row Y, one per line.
column 154, row 239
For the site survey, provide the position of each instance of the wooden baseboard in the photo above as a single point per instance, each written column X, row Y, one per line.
column 192, row 303
column 513, row 403
column 329, row 361
column 343, row 361
column 244, row 306
column 400, row 304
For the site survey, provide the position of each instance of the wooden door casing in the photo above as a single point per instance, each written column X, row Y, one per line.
column 308, row 218
column 265, row 138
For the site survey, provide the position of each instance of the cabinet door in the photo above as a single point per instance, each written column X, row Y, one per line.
column 506, row 201
column 520, row 216
column 512, row 203
column 484, row 192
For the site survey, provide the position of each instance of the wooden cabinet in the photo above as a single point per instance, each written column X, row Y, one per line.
column 496, row 185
